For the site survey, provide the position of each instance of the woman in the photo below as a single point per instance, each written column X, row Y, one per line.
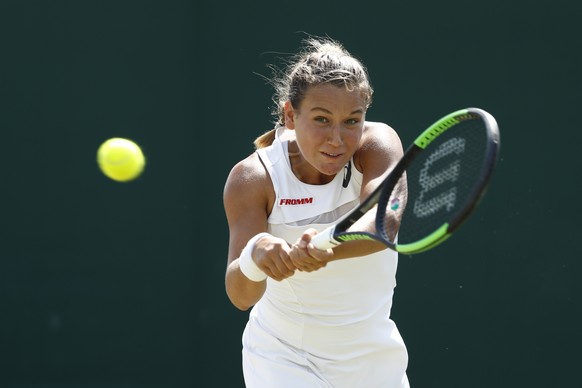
column 319, row 318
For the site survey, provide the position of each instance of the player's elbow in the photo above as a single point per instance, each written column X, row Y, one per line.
column 240, row 302
column 240, row 306
column 242, row 292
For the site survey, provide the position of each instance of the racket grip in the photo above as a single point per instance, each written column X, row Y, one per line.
column 324, row 239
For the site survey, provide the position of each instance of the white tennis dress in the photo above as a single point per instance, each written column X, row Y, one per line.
column 331, row 327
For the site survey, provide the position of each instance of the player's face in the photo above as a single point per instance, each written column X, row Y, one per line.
column 328, row 127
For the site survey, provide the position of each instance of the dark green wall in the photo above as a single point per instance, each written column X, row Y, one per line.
column 121, row 285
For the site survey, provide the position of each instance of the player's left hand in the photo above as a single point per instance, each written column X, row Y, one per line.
column 305, row 256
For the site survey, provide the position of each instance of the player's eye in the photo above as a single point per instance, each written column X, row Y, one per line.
column 352, row 121
column 321, row 119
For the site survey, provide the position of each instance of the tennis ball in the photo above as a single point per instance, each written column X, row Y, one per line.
column 120, row 159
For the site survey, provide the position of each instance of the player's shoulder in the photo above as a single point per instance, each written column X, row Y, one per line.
column 380, row 145
column 375, row 129
column 377, row 134
column 248, row 170
column 247, row 176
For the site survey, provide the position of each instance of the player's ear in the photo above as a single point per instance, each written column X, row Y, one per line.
column 289, row 115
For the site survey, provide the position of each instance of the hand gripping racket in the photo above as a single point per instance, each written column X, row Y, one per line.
column 432, row 190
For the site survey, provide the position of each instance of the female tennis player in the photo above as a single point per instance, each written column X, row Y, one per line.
column 319, row 318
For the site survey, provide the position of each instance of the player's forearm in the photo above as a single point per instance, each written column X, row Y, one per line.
column 242, row 292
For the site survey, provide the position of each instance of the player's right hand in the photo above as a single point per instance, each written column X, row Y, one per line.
column 271, row 254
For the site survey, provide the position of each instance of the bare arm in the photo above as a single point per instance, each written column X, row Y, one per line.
column 380, row 151
column 248, row 196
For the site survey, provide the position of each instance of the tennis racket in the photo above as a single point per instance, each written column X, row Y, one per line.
column 432, row 190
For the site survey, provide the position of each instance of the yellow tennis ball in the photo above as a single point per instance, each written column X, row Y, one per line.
column 120, row 159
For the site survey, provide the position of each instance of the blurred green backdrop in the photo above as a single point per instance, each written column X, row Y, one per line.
column 121, row 285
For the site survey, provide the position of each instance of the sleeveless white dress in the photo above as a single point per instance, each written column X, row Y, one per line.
column 331, row 327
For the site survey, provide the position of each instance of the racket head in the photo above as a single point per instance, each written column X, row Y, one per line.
column 439, row 182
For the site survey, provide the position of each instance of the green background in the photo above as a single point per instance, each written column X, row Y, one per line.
column 122, row 285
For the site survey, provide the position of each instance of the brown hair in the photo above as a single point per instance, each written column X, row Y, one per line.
column 322, row 60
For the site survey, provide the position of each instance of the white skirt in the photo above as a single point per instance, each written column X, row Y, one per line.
column 269, row 362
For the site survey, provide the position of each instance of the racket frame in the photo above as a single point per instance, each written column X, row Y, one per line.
column 339, row 233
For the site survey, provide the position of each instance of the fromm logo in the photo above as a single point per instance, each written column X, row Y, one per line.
column 295, row 201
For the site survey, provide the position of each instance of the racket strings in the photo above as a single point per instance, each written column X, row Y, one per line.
column 440, row 183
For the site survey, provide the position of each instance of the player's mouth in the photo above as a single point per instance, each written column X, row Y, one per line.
column 331, row 155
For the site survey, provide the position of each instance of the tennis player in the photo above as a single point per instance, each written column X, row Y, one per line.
column 319, row 318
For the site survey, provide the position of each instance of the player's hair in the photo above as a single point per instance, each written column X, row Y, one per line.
column 320, row 61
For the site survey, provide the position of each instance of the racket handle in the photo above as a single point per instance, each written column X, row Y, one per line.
column 324, row 239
